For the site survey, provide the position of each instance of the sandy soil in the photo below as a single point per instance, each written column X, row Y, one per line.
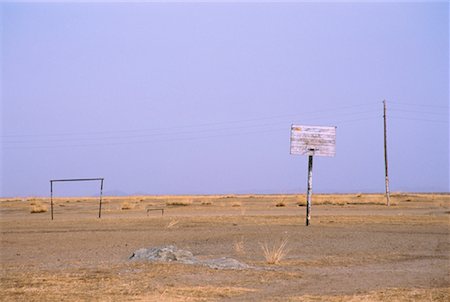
column 357, row 249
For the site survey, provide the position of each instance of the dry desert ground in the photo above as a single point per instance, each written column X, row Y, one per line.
column 356, row 248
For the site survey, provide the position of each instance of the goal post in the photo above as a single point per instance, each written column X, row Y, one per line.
column 78, row 179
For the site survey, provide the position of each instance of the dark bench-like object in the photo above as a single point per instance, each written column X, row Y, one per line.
column 159, row 209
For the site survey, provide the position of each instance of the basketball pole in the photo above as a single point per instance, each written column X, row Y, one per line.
column 309, row 190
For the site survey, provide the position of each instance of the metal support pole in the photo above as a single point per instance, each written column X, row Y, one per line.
column 51, row 197
column 386, row 179
column 309, row 192
column 100, row 206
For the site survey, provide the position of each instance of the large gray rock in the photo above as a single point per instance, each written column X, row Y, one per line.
column 165, row 253
column 170, row 253
column 225, row 263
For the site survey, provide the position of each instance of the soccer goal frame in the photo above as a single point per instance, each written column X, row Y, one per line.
column 78, row 179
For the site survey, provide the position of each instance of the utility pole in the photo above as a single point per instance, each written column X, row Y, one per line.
column 385, row 156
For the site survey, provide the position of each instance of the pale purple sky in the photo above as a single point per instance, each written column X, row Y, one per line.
column 186, row 98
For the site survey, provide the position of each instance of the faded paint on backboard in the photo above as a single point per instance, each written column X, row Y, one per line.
column 313, row 140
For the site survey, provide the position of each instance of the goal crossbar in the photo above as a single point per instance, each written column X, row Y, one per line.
column 78, row 179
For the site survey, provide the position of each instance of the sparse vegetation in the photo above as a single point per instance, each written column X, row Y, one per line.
column 333, row 202
column 11, row 200
column 280, row 204
column 172, row 223
column 274, row 254
column 206, row 202
column 182, row 202
column 127, row 206
column 38, row 208
column 239, row 247
column 61, row 259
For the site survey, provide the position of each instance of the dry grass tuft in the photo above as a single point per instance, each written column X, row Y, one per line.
column 280, row 204
column 184, row 202
column 334, row 202
column 239, row 247
column 38, row 208
column 11, row 200
column 243, row 211
column 127, row 206
column 203, row 293
column 391, row 294
column 236, row 204
column 274, row 254
column 172, row 223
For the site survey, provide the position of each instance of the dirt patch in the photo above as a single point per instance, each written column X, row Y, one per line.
column 351, row 252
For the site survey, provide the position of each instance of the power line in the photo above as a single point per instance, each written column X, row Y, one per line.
column 421, row 112
column 417, row 119
column 149, row 135
column 192, row 125
column 308, row 113
column 419, row 105
column 170, row 138
column 207, row 130
column 285, row 129
column 358, row 120
column 197, row 131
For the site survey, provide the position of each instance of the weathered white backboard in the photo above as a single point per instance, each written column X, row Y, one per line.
column 313, row 140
